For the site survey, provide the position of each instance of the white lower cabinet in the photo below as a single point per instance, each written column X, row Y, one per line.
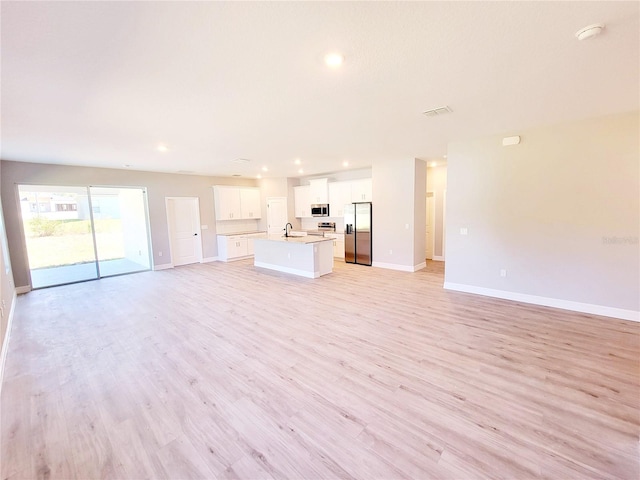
column 338, row 244
column 235, row 247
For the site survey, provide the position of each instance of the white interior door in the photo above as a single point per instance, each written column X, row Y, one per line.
column 276, row 214
column 183, row 219
column 430, row 224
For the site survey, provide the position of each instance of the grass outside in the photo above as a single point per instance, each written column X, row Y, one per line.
column 72, row 243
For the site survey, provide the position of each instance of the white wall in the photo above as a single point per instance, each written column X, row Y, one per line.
column 399, row 218
column 560, row 212
column 7, row 290
column 437, row 183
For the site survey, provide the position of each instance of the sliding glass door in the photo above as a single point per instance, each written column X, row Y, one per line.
column 75, row 234
column 120, row 219
column 58, row 234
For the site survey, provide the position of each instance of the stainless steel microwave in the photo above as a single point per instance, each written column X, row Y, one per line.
column 320, row 210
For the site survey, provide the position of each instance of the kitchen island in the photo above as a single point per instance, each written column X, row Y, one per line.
column 309, row 256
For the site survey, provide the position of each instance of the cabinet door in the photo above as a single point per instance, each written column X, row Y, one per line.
column 302, row 202
column 250, row 202
column 339, row 196
column 318, row 191
column 361, row 190
column 227, row 202
column 338, row 244
column 236, row 246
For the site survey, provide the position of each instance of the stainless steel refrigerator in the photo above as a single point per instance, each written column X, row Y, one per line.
column 357, row 233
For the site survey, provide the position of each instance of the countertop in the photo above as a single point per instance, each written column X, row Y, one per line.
column 241, row 233
column 304, row 240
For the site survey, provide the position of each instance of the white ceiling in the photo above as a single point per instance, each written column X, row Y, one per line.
column 103, row 83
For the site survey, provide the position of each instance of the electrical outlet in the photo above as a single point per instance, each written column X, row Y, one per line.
column 406, row 226
column 503, row 272
column 159, row 254
column 390, row 252
column 464, row 231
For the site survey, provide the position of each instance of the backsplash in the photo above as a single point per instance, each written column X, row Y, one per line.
column 236, row 226
column 312, row 223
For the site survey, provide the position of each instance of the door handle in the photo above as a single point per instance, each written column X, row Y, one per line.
column 195, row 234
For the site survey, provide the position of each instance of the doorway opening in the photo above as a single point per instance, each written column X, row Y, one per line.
column 75, row 234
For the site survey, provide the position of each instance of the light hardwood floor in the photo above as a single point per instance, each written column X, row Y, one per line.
column 224, row 371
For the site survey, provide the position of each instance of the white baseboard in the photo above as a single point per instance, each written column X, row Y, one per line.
column 23, row 289
column 401, row 268
column 5, row 343
column 164, row 266
column 209, row 259
column 438, row 258
column 547, row 302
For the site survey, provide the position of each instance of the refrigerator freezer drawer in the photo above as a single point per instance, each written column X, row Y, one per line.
column 363, row 248
column 349, row 248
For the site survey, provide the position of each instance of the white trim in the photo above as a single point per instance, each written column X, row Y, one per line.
column 438, row 258
column 401, row 268
column 547, row 302
column 209, row 259
column 294, row 271
column 7, row 334
column 164, row 266
column 23, row 289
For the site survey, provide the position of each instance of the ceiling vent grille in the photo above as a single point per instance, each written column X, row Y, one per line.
column 241, row 160
column 434, row 112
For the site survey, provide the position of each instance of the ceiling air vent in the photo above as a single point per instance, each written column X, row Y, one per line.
column 434, row 112
column 241, row 160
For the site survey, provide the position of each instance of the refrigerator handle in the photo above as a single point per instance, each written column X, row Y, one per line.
column 348, row 229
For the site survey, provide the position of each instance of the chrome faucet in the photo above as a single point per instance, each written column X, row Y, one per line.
column 286, row 229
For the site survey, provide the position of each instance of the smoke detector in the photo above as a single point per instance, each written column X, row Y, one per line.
column 437, row 111
column 589, row 31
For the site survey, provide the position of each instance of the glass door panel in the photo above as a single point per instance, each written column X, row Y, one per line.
column 58, row 234
column 120, row 219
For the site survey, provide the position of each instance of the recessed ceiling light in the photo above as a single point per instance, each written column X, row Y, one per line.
column 258, row 176
column 434, row 164
column 265, row 169
column 334, row 60
column 301, row 171
column 444, row 156
column 241, row 160
column 345, row 164
column 162, row 148
column 589, row 31
column 297, row 161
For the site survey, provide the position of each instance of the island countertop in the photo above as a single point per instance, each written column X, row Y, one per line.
column 304, row 240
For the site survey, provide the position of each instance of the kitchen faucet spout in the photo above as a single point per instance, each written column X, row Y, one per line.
column 286, row 229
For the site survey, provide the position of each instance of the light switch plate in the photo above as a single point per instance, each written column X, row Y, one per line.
column 464, row 231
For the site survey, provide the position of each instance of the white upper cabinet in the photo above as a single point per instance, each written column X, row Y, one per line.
column 227, row 202
column 236, row 203
column 318, row 192
column 301, row 196
column 250, row 202
column 361, row 190
column 339, row 196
